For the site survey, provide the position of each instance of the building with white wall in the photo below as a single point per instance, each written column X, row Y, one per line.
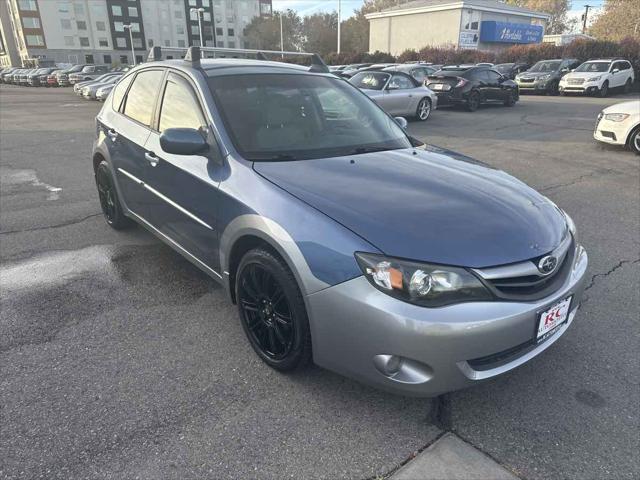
column 45, row 32
column 474, row 24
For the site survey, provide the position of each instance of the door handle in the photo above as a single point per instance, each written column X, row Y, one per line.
column 151, row 158
column 112, row 134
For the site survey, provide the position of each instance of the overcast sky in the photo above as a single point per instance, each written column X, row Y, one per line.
column 308, row 7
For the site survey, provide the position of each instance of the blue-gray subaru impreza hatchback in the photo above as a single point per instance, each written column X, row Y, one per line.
column 339, row 239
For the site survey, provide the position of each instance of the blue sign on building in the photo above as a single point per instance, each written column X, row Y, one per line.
column 503, row 32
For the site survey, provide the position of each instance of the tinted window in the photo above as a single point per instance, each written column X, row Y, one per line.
column 119, row 91
column 492, row 76
column 296, row 117
column 594, row 67
column 504, row 67
column 546, row 66
column 142, row 96
column 401, row 82
column 180, row 109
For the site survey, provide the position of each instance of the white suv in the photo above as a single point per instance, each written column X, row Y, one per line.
column 619, row 124
column 597, row 77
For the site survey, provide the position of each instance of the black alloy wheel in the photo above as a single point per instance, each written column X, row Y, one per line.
column 473, row 101
column 510, row 101
column 627, row 86
column 272, row 311
column 604, row 91
column 111, row 208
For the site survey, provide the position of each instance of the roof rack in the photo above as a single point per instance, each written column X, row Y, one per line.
column 194, row 54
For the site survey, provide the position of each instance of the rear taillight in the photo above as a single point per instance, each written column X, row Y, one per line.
column 461, row 83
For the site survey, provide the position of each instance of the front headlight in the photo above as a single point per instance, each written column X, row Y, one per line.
column 420, row 283
column 571, row 225
column 594, row 79
column 616, row 117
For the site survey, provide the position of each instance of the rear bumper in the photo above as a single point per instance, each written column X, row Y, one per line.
column 355, row 329
column 452, row 97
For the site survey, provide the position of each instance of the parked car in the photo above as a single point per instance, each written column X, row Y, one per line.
column 6, row 74
column 23, row 78
column 597, row 77
column 103, row 92
column 77, row 88
column 510, row 70
column 62, row 78
column 619, row 124
column 90, row 72
column 352, row 69
column 418, row 71
column 485, row 64
column 39, row 77
column 472, row 86
column 398, row 93
column 545, row 75
column 338, row 240
column 52, row 78
column 90, row 91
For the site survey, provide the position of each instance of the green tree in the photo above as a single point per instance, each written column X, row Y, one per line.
column 619, row 19
column 558, row 9
column 263, row 32
column 320, row 32
column 355, row 30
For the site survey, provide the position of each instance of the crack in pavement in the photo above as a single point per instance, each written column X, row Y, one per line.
column 59, row 225
column 577, row 180
column 618, row 265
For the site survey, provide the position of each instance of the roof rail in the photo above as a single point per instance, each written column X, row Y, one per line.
column 194, row 54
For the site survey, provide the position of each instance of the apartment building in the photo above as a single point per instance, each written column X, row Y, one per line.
column 46, row 32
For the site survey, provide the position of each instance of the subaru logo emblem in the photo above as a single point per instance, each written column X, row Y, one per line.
column 547, row 264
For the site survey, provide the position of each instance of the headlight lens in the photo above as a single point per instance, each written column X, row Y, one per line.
column 616, row 117
column 571, row 226
column 594, row 79
column 420, row 283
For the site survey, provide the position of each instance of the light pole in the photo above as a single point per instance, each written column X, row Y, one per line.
column 199, row 11
column 281, row 35
column 133, row 51
column 339, row 19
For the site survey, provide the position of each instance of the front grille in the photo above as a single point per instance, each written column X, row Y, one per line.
column 527, row 80
column 523, row 282
column 575, row 81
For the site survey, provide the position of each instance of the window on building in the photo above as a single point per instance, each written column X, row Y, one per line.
column 35, row 40
column 118, row 26
column 205, row 3
column 81, row 25
column 103, row 42
column 193, row 16
column 78, row 9
column 137, row 42
column 180, row 30
column 139, row 59
column 100, row 26
column 221, row 43
column 84, row 42
column 31, row 22
column 124, row 59
column 27, row 6
column 167, row 43
column 219, row 31
column 181, row 44
column 63, row 7
column 133, row 11
column 116, row 10
column 178, row 14
column 206, row 16
column 150, row 42
column 106, row 59
column 232, row 44
column 193, row 3
column 69, row 41
column 135, row 27
column 471, row 19
column 230, row 19
column 88, row 58
column 195, row 30
column 230, row 32
column 65, row 23
column 121, row 42
column 139, row 105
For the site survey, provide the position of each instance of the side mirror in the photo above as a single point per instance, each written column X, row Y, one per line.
column 615, row 70
column 564, row 70
column 183, row 141
column 402, row 122
column 392, row 87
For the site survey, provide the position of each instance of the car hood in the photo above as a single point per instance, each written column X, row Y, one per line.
column 535, row 74
column 583, row 75
column 426, row 206
column 632, row 107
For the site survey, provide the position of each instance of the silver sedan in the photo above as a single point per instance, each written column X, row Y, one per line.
column 397, row 93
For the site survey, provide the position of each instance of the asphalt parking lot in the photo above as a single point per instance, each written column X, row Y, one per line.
column 118, row 359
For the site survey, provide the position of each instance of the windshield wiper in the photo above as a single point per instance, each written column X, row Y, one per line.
column 361, row 150
column 280, row 157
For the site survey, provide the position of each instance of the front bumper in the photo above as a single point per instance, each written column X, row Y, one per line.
column 355, row 327
column 615, row 133
column 588, row 88
column 535, row 86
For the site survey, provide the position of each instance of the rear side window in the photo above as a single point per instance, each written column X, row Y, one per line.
column 142, row 96
column 119, row 91
column 180, row 108
column 401, row 82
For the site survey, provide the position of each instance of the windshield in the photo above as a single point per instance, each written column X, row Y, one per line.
column 546, row 66
column 504, row 67
column 370, row 80
column 594, row 67
column 297, row 117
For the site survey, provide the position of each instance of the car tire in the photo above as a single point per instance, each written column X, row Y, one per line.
column 604, row 91
column 510, row 101
column 423, row 112
column 473, row 101
column 272, row 311
column 554, row 89
column 109, row 201
column 634, row 140
column 628, row 85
